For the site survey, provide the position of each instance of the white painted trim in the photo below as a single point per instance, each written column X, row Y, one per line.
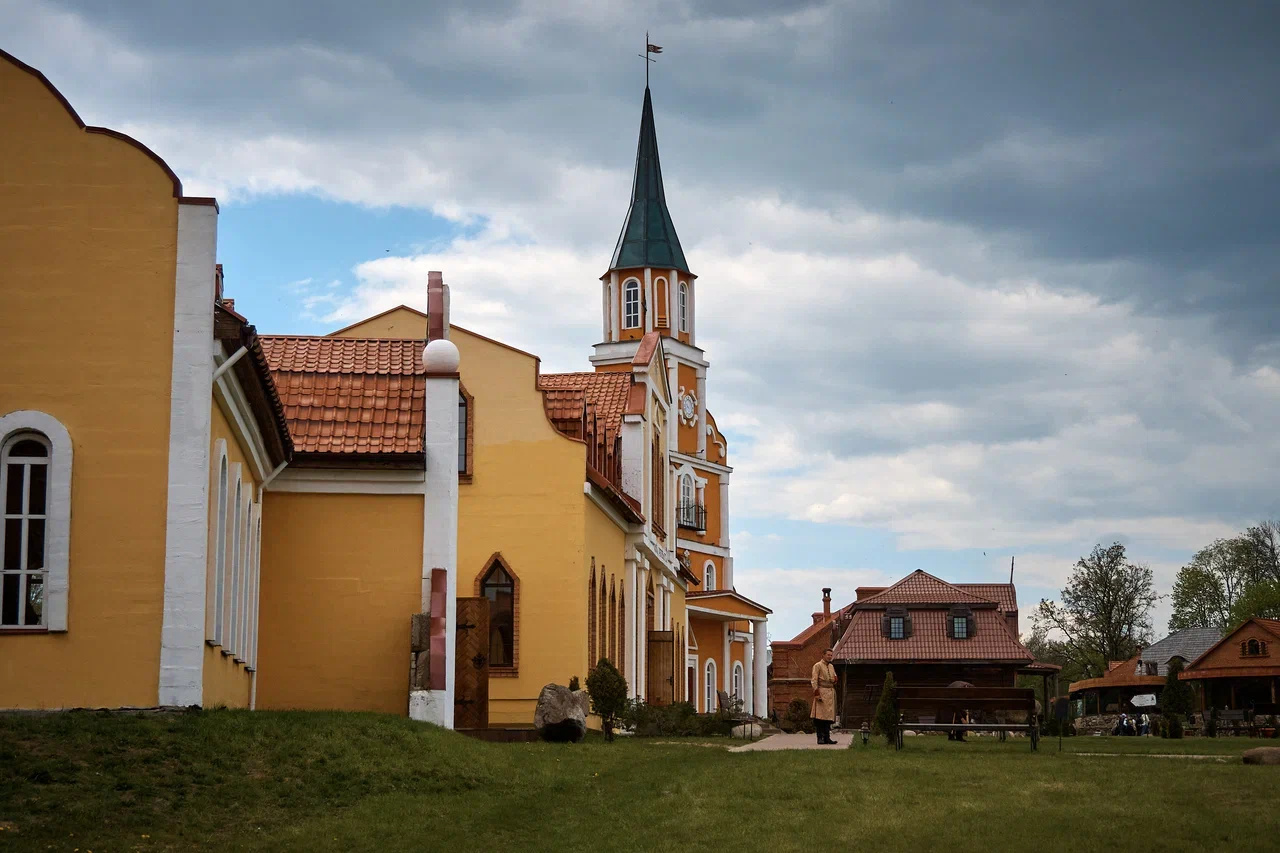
column 232, row 590
column 231, row 399
column 186, row 560
column 760, row 664
column 651, row 305
column 709, row 569
column 723, row 614
column 639, row 304
column 701, row 547
column 615, row 300
column 229, row 363
column 57, row 587
column 691, row 663
column 621, row 352
column 702, row 464
column 709, row 675
column 631, row 619
column 440, row 528
column 598, row 498
column 218, row 459
column 355, row 481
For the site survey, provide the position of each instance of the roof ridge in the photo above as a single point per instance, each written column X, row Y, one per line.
column 921, row 572
column 330, row 337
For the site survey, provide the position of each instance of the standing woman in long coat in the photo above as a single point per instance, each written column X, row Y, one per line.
column 823, row 681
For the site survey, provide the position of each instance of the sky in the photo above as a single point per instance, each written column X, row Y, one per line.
column 976, row 280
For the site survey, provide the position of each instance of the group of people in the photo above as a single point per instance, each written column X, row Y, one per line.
column 1132, row 726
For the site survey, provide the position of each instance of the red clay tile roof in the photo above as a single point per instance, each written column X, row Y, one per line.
column 991, row 640
column 644, row 352
column 350, row 395
column 922, row 588
column 1003, row 594
column 604, row 395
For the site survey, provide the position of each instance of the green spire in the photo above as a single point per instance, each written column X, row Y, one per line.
column 648, row 237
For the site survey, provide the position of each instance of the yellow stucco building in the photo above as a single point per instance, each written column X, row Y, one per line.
column 197, row 514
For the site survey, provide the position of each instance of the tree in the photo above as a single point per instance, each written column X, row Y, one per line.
column 1045, row 649
column 1263, row 541
column 1209, row 586
column 608, row 691
column 885, row 721
column 1261, row 600
column 1105, row 612
column 1175, row 701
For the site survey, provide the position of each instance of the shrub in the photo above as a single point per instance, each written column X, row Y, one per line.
column 797, row 718
column 680, row 719
column 1175, row 727
column 885, row 721
column 608, row 690
column 1211, row 723
column 1175, row 700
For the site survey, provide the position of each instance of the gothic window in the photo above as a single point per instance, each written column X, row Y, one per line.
column 684, row 306
column 592, row 659
column 500, row 588
column 613, row 623
column 25, row 477
column 631, row 304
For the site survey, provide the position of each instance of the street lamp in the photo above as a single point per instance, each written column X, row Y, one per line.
column 866, row 733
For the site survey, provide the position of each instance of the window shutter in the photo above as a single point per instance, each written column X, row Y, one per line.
column 972, row 623
column 884, row 624
column 951, row 626
column 906, row 626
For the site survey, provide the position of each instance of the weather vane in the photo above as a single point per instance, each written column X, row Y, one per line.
column 648, row 49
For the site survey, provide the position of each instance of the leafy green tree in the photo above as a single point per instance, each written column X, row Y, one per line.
column 1175, row 701
column 1262, row 599
column 1209, row 586
column 1105, row 609
column 608, row 691
column 885, row 721
column 1048, row 650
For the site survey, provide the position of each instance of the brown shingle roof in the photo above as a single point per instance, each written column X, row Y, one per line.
column 921, row 588
column 991, row 640
column 350, row 395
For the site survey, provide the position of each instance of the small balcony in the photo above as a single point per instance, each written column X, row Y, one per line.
column 692, row 517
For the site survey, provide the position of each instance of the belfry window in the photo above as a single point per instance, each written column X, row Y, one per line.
column 631, row 304
column 684, row 306
column 500, row 588
column 709, row 577
column 24, row 487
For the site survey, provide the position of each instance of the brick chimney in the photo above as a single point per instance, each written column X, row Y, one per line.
column 437, row 307
column 826, row 602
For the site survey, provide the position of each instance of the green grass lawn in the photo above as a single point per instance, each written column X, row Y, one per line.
column 226, row 780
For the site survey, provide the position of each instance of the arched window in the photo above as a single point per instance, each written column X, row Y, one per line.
column 709, row 687
column 220, row 553
column 688, row 510
column 631, row 304
column 24, row 483
column 603, row 618
column 739, row 685
column 709, row 576
column 613, row 623
column 622, row 628
column 35, row 534
column 1252, row 648
column 500, row 588
column 684, row 306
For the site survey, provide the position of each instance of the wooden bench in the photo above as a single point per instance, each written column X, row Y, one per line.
column 928, row 703
column 1233, row 721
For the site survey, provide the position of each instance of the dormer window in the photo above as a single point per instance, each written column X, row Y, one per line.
column 631, row 304
column 896, row 624
column 960, row 623
column 1253, row 648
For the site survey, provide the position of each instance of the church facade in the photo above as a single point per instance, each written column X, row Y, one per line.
column 199, row 514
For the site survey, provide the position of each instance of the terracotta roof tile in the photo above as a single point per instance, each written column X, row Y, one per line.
column 603, row 394
column 1003, row 594
column 1123, row 673
column 350, row 395
column 991, row 640
column 920, row 587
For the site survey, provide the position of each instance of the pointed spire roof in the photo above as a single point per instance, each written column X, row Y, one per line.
column 648, row 237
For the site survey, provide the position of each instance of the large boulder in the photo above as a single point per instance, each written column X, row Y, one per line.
column 1263, row 755
column 749, row 731
column 560, row 716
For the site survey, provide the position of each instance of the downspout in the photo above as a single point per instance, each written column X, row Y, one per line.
column 226, row 365
column 253, row 677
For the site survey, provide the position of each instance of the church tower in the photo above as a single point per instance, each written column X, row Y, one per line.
column 648, row 287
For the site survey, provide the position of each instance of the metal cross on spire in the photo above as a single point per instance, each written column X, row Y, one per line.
column 648, row 49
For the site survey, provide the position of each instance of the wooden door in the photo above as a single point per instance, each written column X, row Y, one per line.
column 662, row 682
column 471, row 665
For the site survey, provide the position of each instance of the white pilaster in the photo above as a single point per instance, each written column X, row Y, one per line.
column 440, row 509
column 702, row 412
column 728, row 662
column 693, row 315
column 642, row 632
column 724, row 510
column 748, row 676
column 631, row 622
column 604, row 305
column 673, row 304
column 652, row 305
column 633, row 457
column 759, row 635
column 187, row 514
column 615, row 307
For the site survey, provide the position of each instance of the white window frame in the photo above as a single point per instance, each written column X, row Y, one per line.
column 631, row 304
column 57, row 516
column 219, row 544
column 683, row 298
column 739, row 682
column 901, row 626
column 708, row 576
column 229, row 613
column 709, row 686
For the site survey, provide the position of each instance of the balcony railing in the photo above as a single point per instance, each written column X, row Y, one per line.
column 692, row 517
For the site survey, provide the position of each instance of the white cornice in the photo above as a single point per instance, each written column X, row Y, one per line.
column 699, row 462
column 346, row 481
column 701, row 548
column 235, row 406
column 621, row 352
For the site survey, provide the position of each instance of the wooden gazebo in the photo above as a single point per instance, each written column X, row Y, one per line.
column 1122, row 681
